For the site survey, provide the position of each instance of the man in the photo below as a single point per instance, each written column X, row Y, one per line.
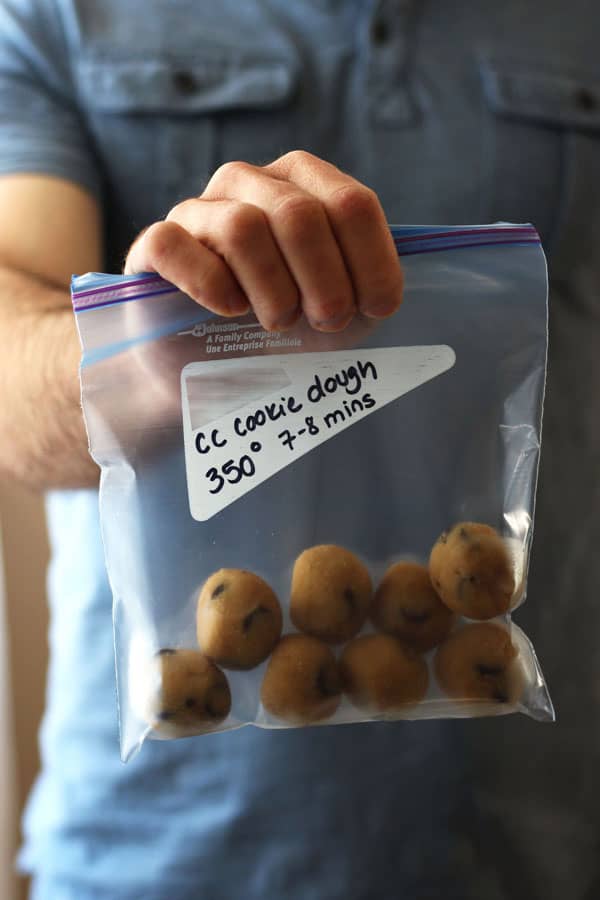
column 111, row 115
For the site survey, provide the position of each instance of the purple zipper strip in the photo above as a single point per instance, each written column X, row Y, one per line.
column 111, row 287
column 480, row 237
column 484, row 232
column 83, row 306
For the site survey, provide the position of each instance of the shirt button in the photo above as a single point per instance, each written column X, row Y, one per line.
column 184, row 82
column 379, row 32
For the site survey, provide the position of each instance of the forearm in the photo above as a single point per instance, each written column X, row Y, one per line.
column 43, row 443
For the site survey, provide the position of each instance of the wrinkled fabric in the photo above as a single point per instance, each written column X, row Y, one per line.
column 453, row 113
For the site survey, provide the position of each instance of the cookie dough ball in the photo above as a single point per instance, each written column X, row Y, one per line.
column 472, row 571
column 517, row 550
column 188, row 694
column 406, row 605
column 381, row 675
column 480, row 662
column 302, row 683
column 238, row 619
column 331, row 593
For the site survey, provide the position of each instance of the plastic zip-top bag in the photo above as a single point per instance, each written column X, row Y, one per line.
column 304, row 528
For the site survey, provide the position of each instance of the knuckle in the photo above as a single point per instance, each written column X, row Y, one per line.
column 160, row 240
column 229, row 171
column 298, row 215
column 180, row 210
column 354, row 202
column 241, row 225
column 297, row 158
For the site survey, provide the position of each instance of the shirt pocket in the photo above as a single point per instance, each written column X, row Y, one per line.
column 154, row 122
column 545, row 125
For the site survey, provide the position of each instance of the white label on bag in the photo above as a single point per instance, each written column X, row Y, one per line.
column 246, row 419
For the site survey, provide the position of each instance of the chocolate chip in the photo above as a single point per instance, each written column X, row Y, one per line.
column 463, row 582
column 489, row 670
column 166, row 651
column 464, row 534
column 189, row 702
column 217, row 702
column 443, row 538
column 213, row 710
column 165, row 716
column 350, row 598
column 249, row 620
column 218, row 590
column 416, row 617
column 328, row 680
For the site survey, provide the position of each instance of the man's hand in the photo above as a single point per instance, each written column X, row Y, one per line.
column 296, row 236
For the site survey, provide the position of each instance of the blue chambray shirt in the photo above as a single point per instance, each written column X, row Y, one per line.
column 454, row 113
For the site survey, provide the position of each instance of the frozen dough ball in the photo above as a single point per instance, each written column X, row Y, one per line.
column 331, row 593
column 382, row 675
column 480, row 662
column 187, row 693
column 302, row 682
column 517, row 550
column 238, row 619
column 472, row 571
column 406, row 605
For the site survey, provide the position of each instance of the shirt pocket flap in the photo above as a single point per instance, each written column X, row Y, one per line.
column 547, row 96
column 211, row 84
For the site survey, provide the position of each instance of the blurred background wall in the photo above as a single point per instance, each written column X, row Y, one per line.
column 23, row 659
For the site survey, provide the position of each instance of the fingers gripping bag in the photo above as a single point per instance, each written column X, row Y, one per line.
column 304, row 528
